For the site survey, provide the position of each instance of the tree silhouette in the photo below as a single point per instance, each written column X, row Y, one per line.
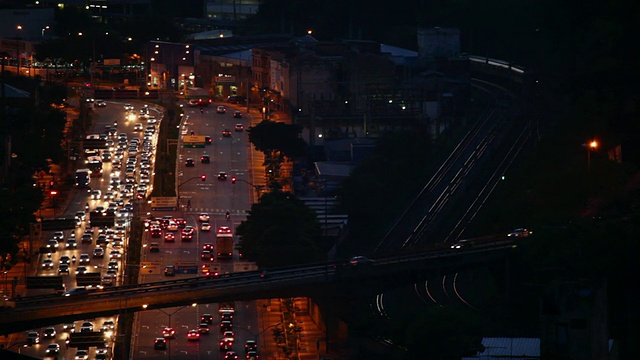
column 280, row 230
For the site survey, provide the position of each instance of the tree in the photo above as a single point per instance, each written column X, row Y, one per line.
column 277, row 139
column 280, row 230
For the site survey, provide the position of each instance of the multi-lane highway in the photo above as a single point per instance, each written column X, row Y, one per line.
column 201, row 190
column 90, row 249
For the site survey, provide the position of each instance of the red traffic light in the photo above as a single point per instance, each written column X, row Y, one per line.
column 233, row 180
column 203, row 177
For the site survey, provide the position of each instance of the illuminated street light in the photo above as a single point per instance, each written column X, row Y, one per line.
column 591, row 146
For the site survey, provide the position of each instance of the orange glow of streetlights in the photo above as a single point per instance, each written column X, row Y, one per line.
column 593, row 144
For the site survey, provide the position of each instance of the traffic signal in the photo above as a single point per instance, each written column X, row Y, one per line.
column 203, row 177
column 51, row 183
column 233, row 179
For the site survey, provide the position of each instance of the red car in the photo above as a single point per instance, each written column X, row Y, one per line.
column 193, row 335
column 169, row 237
column 169, row 333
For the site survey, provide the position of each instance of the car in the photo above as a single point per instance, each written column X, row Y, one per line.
column 203, row 328
column 189, row 162
column 71, row 244
column 221, row 109
column 86, row 326
column 169, row 270
column 169, row 237
column 47, row 264
column 226, row 315
column 251, row 355
column 207, row 255
column 237, row 114
column 154, row 248
column 235, row 99
column 138, row 127
column 79, row 291
column 58, row 235
column 65, row 259
column 358, row 261
column 52, row 244
column 172, row 226
column 113, row 264
column 84, row 259
column 69, row 327
column 520, row 232
column 98, row 252
column 226, row 133
column 53, row 349
column 63, row 269
column 226, row 325
column 87, row 238
column 239, row 127
column 82, row 355
column 226, row 343
column 81, row 216
column 156, row 232
column 49, row 332
column 193, row 335
column 33, row 337
column 203, row 217
column 160, row 344
column 100, row 103
column 229, row 334
column 462, row 244
column 206, row 318
column 169, row 333
column 96, row 194
column 231, row 355
column 128, row 107
column 208, row 140
column 250, row 345
column 222, row 176
column 205, row 159
column 108, row 325
column 115, row 254
column 224, row 230
column 81, row 270
column 107, row 280
column 205, row 226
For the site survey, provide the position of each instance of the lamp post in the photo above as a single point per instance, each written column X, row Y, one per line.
column 170, row 314
column 257, row 336
column 18, row 28
column 591, row 146
column 44, row 29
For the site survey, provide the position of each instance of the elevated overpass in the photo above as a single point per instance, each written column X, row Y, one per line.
column 314, row 280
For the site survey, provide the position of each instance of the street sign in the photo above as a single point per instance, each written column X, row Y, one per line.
column 58, row 224
column 186, row 268
column 84, row 340
column 44, row 282
column 193, row 141
column 88, row 279
column 150, row 267
column 164, row 203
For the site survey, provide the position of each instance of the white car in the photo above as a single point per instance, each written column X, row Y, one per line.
column 205, row 226
column 82, row 355
column 96, row 194
column 204, row 217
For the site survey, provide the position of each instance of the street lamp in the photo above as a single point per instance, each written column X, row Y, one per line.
column 591, row 146
column 170, row 314
column 19, row 29
column 43, row 30
column 257, row 336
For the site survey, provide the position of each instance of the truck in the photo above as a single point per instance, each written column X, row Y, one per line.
column 83, row 178
column 224, row 243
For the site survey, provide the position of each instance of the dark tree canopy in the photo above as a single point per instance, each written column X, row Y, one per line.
column 280, row 230
column 270, row 136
